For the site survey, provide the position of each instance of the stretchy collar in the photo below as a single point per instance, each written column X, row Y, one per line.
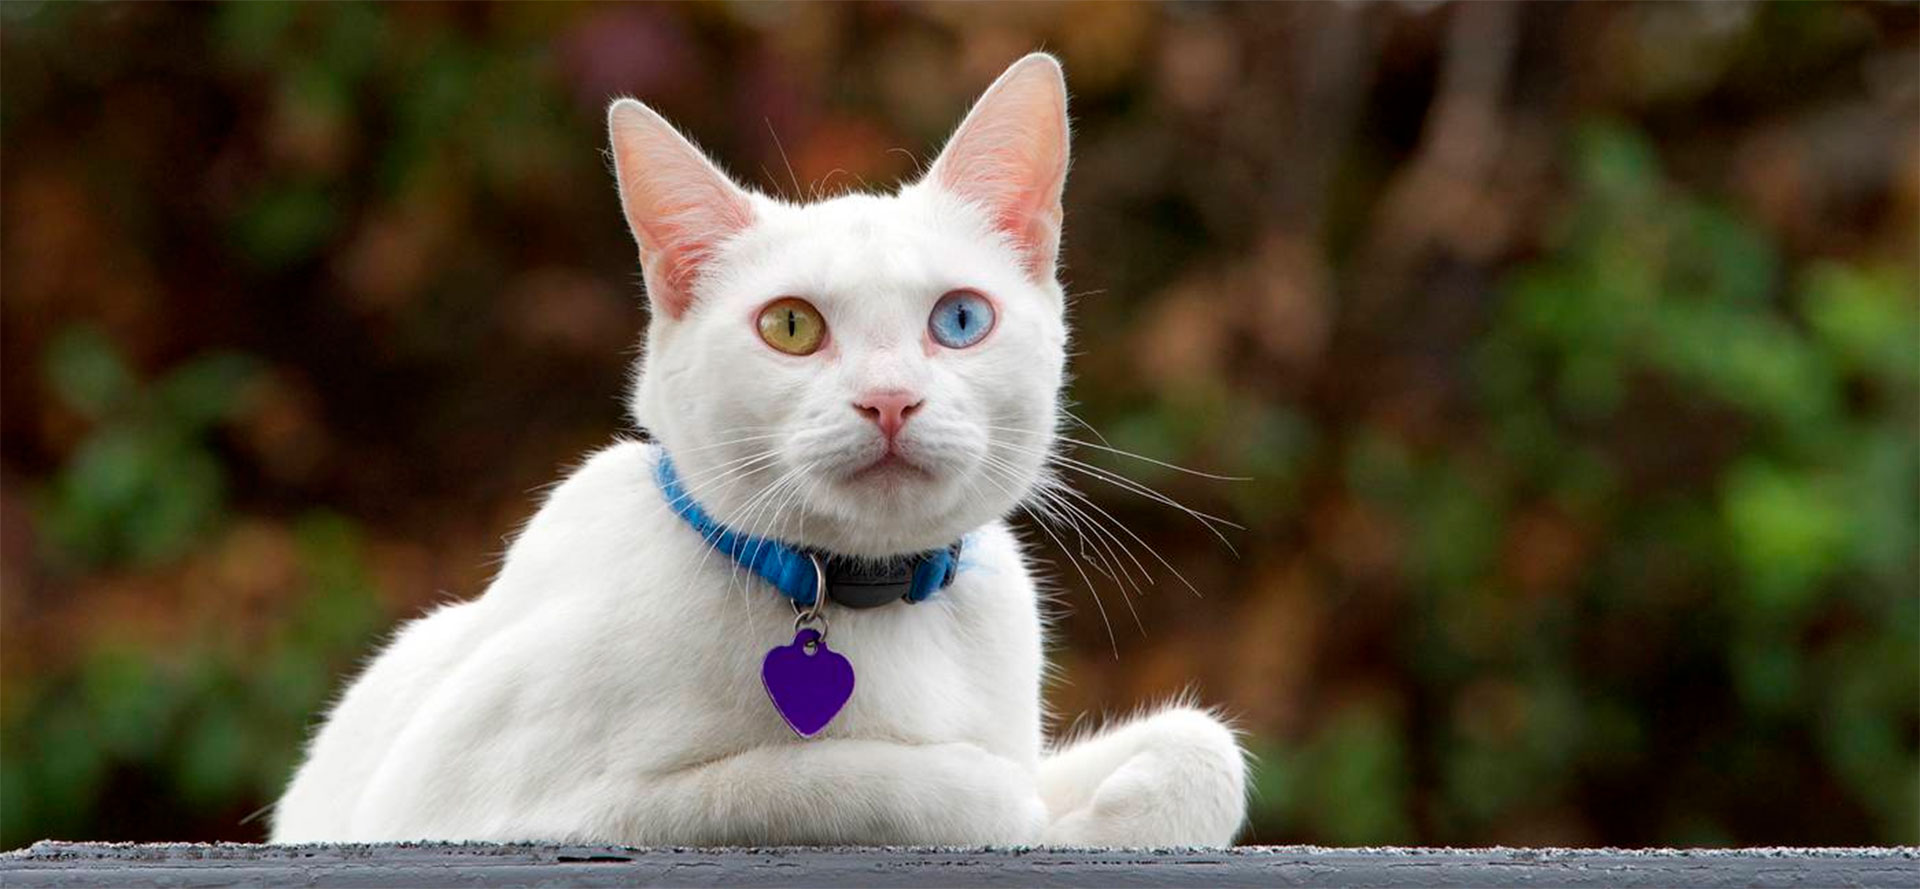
column 851, row 581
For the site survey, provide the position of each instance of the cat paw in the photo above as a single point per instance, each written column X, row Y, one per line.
column 1177, row 779
column 999, row 805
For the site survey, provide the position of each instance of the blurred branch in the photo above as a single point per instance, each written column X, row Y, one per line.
column 1440, row 199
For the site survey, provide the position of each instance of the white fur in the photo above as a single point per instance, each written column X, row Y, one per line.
column 606, row 688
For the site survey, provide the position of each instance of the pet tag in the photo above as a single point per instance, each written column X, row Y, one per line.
column 807, row 681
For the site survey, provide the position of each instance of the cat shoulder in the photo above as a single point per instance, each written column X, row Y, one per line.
column 621, row 469
column 608, row 501
column 994, row 552
column 614, row 481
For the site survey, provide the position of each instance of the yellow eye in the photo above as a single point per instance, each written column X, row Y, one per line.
column 792, row 326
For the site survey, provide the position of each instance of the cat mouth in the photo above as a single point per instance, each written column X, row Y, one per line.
column 891, row 466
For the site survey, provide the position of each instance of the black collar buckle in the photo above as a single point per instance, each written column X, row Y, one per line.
column 871, row 583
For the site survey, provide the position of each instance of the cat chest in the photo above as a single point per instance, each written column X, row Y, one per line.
column 922, row 673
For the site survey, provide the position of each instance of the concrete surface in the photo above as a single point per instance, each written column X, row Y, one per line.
column 50, row 863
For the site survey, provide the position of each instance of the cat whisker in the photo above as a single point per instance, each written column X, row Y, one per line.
column 770, row 502
column 1097, row 604
column 1113, row 569
column 797, row 190
column 1081, row 522
column 734, row 441
column 756, row 511
column 1041, row 523
column 813, row 486
column 1059, row 501
column 820, row 185
column 1092, row 547
column 1160, row 463
column 782, row 516
column 749, row 520
column 1069, row 414
column 1136, row 537
column 1113, row 478
column 701, row 484
column 1206, row 520
column 1059, row 494
column 691, row 485
column 1108, row 448
column 778, row 515
column 1084, row 522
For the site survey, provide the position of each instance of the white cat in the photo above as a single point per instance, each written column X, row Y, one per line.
column 866, row 376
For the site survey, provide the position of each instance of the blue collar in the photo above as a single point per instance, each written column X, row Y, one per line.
column 852, row 582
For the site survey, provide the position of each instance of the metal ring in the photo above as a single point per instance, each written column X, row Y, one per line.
column 817, row 612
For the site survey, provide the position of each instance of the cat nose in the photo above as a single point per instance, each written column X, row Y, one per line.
column 888, row 409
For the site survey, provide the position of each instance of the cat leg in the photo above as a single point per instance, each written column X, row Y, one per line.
column 855, row 792
column 1175, row 778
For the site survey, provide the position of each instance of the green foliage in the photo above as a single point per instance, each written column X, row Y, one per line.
column 216, row 722
column 1793, row 556
column 1652, row 290
column 143, row 485
column 1354, row 777
column 286, row 225
column 212, row 727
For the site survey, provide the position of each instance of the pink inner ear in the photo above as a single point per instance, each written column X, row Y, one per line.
column 680, row 207
column 1010, row 156
column 678, row 239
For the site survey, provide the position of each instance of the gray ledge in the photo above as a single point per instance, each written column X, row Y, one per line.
column 50, row 863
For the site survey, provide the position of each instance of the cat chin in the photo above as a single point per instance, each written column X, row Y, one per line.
column 878, row 521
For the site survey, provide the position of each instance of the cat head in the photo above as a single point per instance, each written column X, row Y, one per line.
column 869, row 374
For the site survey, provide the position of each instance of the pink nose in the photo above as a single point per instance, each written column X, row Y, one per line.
column 888, row 409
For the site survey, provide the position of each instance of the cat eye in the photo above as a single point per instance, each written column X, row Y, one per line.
column 793, row 326
column 960, row 319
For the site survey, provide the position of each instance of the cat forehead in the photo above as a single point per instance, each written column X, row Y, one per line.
column 866, row 243
column 911, row 217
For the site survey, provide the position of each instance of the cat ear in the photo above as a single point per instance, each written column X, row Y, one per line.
column 679, row 206
column 1010, row 158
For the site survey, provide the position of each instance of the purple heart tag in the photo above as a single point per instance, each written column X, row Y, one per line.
column 807, row 681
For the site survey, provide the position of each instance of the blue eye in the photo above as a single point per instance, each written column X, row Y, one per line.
column 960, row 319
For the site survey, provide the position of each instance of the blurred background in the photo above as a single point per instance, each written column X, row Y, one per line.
column 1573, row 352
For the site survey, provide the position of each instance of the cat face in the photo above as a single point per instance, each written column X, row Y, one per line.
column 869, row 374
